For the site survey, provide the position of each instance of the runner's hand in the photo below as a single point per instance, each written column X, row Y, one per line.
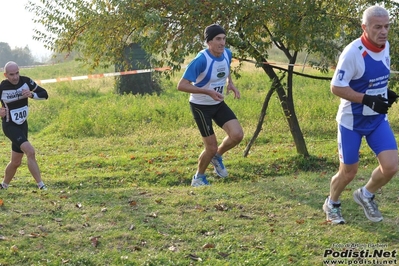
column 217, row 96
column 377, row 103
column 392, row 96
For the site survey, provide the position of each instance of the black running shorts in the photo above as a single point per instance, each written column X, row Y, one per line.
column 204, row 114
column 18, row 134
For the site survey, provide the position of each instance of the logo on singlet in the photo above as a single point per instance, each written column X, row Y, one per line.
column 340, row 74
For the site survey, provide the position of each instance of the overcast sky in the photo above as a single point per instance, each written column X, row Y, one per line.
column 17, row 27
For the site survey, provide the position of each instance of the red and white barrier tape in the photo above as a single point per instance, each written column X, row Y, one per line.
column 131, row 72
column 114, row 74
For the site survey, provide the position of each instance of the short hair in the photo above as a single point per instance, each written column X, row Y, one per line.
column 9, row 63
column 374, row 11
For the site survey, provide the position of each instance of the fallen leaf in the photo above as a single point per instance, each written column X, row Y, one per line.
column 34, row 235
column 132, row 203
column 1, row 202
column 223, row 255
column 172, row 248
column 132, row 227
column 246, row 217
column 104, row 210
column 301, row 221
column 14, row 249
column 153, row 215
column 3, row 238
column 94, row 241
column 221, row 207
column 41, row 227
column 208, row 245
column 159, row 201
column 79, row 205
column 194, row 257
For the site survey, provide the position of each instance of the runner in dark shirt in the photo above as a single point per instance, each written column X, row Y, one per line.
column 15, row 91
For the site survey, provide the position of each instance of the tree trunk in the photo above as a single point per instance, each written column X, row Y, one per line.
column 288, row 108
column 136, row 58
column 289, row 111
column 261, row 119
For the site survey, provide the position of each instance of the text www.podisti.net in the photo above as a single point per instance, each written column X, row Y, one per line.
column 360, row 257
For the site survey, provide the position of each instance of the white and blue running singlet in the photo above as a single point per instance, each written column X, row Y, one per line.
column 209, row 73
column 365, row 71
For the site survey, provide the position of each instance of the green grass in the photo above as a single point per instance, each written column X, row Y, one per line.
column 119, row 170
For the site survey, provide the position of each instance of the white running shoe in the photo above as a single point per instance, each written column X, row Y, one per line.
column 333, row 212
column 370, row 207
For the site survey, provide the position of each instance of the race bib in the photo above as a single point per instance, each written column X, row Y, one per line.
column 374, row 92
column 18, row 116
column 217, row 86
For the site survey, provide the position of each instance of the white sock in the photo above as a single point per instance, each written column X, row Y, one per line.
column 333, row 202
column 367, row 193
column 40, row 184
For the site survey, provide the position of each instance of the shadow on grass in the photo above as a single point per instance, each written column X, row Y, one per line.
column 283, row 167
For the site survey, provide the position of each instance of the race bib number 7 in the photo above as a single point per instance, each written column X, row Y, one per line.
column 18, row 116
column 218, row 87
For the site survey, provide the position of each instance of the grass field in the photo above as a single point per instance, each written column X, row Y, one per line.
column 119, row 169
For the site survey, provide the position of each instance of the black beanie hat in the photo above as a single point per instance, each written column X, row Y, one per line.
column 211, row 31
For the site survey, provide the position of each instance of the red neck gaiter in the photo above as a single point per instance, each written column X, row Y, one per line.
column 371, row 46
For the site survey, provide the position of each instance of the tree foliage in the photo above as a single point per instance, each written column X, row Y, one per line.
column 172, row 30
column 100, row 29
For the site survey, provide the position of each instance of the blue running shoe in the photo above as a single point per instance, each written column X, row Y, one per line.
column 199, row 181
column 220, row 170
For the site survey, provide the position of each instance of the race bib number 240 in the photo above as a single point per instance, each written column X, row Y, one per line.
column 18, row 116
